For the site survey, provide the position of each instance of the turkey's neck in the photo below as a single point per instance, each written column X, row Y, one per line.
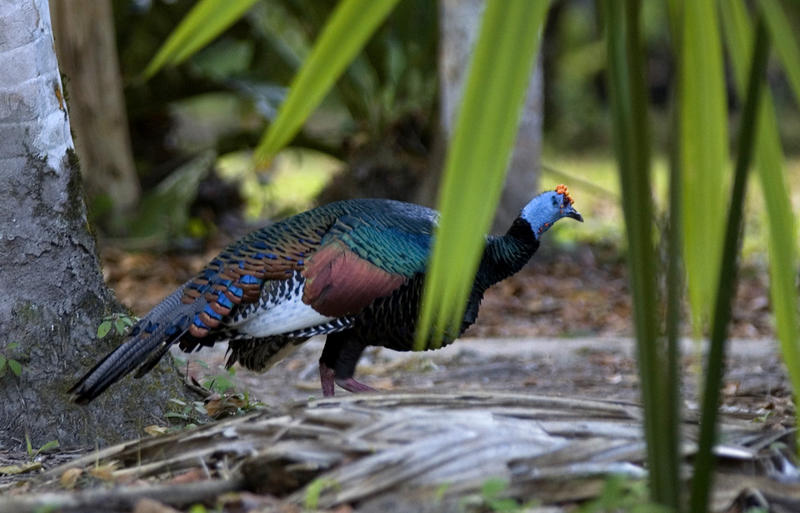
column 505, row 255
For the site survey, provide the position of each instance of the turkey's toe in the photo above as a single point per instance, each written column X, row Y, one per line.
column 326, row 378
column 351, row 385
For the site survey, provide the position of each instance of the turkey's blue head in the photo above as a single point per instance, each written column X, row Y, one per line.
column 547, row 208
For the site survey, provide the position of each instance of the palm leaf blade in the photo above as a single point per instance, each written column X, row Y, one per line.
column 477, row 158
column 771, row 168
column 704, row 460
column 704, row 152
column 344, row 35
column 783, row 37
column 206, row 20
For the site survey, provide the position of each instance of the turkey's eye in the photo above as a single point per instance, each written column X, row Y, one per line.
column 555, row 202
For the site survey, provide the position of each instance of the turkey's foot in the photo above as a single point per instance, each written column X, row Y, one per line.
column 326, row 378
column 351, row 385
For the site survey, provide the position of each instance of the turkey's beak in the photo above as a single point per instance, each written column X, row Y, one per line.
column 574, row 214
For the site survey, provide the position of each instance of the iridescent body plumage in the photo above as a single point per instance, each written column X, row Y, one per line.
column 351, row 270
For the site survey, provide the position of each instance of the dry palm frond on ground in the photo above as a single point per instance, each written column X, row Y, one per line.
column 398, row 451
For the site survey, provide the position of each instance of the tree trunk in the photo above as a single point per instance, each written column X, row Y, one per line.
column 50, row 279
column 460, row 21
column 87, row 54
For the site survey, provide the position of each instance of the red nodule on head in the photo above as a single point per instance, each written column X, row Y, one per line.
column 562, row 189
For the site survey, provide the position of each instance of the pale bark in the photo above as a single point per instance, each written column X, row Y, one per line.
column 87, row 55
column 459, row 22
column 52, row 289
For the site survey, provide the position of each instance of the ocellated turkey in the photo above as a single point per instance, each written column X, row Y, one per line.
column 351, row 270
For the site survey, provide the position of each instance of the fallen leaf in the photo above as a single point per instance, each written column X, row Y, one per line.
column 222, row 406
column 156, row 430
column 381, row 384
column 20, row 488
column 146, row 505
column 246, row 501
column 730, row 388
column 311, row 385
column 70, row 477
column 295, row 365
column 190, row 476
column 20, row 469
column 104, row 472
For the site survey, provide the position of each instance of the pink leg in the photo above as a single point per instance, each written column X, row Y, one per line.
column 351, row 385
column 326, row 377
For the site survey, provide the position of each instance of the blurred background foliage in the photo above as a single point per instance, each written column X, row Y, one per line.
column 376, row 134
column 372, row 136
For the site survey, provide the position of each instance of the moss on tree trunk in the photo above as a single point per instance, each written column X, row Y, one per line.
column 55, row 298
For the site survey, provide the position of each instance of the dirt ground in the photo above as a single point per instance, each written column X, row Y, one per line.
column 560, row 327
column 602, row 368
